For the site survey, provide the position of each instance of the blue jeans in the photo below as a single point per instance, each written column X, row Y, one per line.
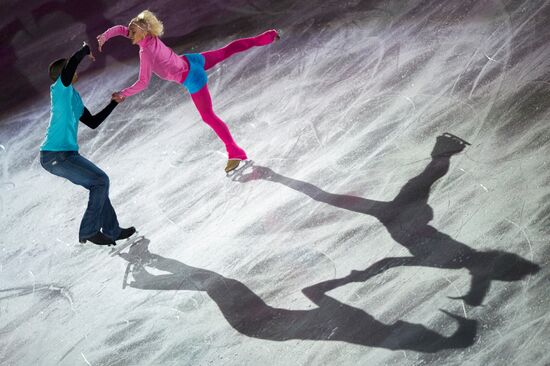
column 79, row 170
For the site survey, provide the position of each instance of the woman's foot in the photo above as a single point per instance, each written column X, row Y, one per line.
column 267, row 37
column 232, row 164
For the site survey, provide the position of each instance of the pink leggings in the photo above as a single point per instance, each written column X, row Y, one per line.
column 202, row 98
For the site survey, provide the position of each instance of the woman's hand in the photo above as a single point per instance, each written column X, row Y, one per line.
column 117, row 97
column 100, row 41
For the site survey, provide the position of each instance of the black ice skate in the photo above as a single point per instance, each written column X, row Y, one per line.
column 126, row 233
column 98, row 238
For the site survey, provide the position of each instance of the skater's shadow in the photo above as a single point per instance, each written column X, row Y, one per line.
column 406, row 218
column 247, row 313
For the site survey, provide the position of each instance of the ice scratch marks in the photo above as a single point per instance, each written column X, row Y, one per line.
column 458, row 295
column 522, row 231
column 51, row 291
column 412, row 103
column 534, row 335
column 177, row 312
column 33, row 282
column 331, row 262
column 332, row 333
column 466, row 221
column 100, row 290
column 4, row 181
column 490, row 58
column 541, row 81
column 66, row 294
column 466, row 67
column 506, row 44
column 85, row 359
column 389, row 140
column 381, row 52
column 528, row 240
column 4, row 156
column 315, row 133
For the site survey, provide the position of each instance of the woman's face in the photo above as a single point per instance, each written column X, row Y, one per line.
column 136, row 32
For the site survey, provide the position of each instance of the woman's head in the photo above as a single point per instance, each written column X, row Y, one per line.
column 144, row 24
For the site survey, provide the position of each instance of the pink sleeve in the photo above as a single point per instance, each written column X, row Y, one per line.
column 117, row 30
column 144, row 75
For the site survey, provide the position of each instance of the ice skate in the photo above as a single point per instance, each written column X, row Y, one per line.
column 232, row 164
column 98, row 238
column 447, row 145
column 126, row 233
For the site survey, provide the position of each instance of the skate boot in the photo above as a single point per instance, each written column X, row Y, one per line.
column 126, row 233
column 232, row 164
column 448, row 145
column 98, row 238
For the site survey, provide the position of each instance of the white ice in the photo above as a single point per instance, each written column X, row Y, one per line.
column 349, row 102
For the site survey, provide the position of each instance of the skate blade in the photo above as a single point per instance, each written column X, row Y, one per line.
column 128, row 243
column 456, row 138
column 84, row 241
column 239, row 168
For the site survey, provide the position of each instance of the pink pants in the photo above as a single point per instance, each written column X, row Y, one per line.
column 203, row 101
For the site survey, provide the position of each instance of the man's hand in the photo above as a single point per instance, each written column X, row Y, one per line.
column 91, row 55
column 117, row 97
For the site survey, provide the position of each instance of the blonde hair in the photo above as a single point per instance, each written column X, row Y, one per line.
column 149, row 22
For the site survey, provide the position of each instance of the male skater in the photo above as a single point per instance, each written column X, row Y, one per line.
column 59, row 152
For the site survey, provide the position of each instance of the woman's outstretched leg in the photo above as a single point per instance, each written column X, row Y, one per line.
column 203, row 102
column 214, row 57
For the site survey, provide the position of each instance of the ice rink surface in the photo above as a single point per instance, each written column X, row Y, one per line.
column 395, row 211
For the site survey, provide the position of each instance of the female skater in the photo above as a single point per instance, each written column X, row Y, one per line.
column 188, row 69
column 59, row 152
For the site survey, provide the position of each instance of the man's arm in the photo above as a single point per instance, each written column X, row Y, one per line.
column 93, row 121
column 70, row 68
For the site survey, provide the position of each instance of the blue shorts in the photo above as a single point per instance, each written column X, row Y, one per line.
column 196, row 78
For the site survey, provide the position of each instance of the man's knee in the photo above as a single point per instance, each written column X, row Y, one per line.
column 102, row 180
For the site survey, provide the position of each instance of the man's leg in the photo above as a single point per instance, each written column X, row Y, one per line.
column 80, row 171
column 109, row 222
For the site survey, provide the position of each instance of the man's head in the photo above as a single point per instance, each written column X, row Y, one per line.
column 56, row 67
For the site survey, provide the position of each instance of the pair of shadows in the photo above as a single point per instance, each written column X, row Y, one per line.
column 406, row 218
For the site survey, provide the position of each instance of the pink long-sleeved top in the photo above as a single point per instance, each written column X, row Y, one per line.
column 154, row 57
